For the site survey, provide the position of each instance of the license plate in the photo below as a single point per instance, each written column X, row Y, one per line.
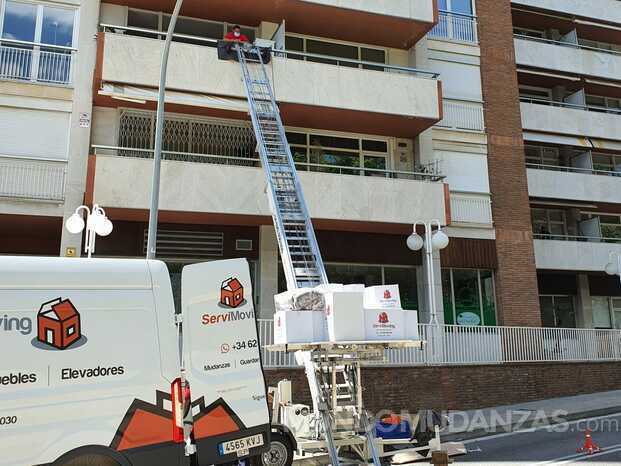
column 241, row 446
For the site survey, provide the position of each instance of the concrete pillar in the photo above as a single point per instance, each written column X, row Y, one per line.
column 584, row 307
column 424, row 314
column 80, row 131
column 268, row 270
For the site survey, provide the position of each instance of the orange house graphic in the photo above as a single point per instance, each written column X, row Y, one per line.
column 231, row 293
column 383, row 318
column 387, row 294
column 58, row 323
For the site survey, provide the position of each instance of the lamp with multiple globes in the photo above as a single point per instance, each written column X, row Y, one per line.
column 96, row 224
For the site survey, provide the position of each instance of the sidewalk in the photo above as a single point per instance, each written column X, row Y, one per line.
column 509, row 418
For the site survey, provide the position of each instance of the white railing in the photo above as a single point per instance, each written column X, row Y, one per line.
column 26, row 178
column 455, row 27
column 36, row 65
column 461, row 345
column 471, row 208
column 462, row 115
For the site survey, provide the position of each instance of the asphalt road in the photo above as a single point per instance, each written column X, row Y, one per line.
column 549, row 445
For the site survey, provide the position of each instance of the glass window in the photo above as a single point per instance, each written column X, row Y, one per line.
column 466, row 294
column 488, row 296
column 336, row 50
column 447, row 295
column 557, row 311
column 601, row 312
column 143, row 20
column 406, row 279
column 20, row 21
column 57, row 26
column 463, row 7
column 332, row 50
column 375, row 163
column 603, row 162
column 374, row 146
column 332, row 157
column 547, row 311
column 616, row 309
column 369, row 275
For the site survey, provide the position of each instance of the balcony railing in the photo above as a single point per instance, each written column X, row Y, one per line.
column 456, row 27
column 35, row 179
column 428, row 172
column 461, row 345
column 291, row 54
column 462, row 115
column 555, row 103
column 587, row 239
column 559, row 168
column 471, row 208
column 28, row 61
column 565, row 44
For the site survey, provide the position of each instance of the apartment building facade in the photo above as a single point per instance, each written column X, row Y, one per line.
column 47, row 54
column 395, row 111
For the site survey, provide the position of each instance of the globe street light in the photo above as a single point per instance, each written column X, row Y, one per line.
column 613, row 267
column 438, row 240
column 96, row 224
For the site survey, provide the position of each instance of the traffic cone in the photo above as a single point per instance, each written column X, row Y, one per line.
column 590, row 446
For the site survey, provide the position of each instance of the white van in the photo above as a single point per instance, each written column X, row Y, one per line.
column 91, row 362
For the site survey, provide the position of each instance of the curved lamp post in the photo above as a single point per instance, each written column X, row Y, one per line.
column 159, row 130
column 96, row 224
column 438, row 240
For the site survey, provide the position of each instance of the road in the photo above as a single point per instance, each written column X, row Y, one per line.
column 549, row 445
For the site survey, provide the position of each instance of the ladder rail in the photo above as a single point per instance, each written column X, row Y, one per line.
column 297, row 237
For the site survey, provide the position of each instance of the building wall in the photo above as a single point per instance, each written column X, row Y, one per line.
column 516, row 277
column 468, row 387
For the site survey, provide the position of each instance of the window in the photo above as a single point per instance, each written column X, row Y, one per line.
column 529, row 32
column 549, row 222
column 337, row 50
column 558, row 311
column 371, row 275
column 321, row 151
column 610, row 226
column 616, row 311
column 542, row 155
column 600, row 45
column 602, row 103
column 456, row 22
column 601, row 312
column 469, row 297
column 70, row 330
column 463, row 7
column 200, row 28
column 49, row 32
column 535, row 93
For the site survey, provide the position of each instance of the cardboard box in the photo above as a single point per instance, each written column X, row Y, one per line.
column 384, row 324
column 411, row 325
column 344, row 317
column 382, row 297
column 298, row 327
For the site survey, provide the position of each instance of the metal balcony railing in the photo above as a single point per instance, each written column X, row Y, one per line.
column 428, row 172
column 291, row 54
column 471, row 208
column 34, row 179
column 462, row 115
column 556, row 103
column 565, row 44
column 559, row 168
column 28, row 61
column 455, row 27
column 462, row 345
column 584, row 239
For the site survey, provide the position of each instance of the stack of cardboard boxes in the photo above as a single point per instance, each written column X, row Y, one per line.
column 343, row 313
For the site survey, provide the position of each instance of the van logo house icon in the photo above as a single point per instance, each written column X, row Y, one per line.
column 387, row 294
column 383, row 318
column 231, row 293
column 58, row 323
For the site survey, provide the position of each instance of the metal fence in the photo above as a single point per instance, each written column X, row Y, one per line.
column 463, row 345
column 462, row 115
column 455, row 27
column 36, row 63
column 471, row 208
column 27, row 178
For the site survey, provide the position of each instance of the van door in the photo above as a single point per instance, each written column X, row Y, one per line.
column 223, row 362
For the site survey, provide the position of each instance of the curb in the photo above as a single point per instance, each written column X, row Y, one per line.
column 529, row 424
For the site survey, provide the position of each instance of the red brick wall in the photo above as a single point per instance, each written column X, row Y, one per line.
column 516, row 278
column 469, row 387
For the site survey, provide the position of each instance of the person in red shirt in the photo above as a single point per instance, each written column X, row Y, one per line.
column 236, row 35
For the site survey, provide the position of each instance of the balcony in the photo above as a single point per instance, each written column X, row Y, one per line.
column 567, row 57
column 555, row 252
column 235, row 186
column 462, row 115
column 455, row 27
column 389, row 23
column 471, row 209
column 576, row 184
column 605, row 10
column 32, row 179
column 346, row 95
column 36, row 63
column 570, row 119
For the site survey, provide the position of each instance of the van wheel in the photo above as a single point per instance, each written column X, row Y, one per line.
column 92, row 460
column 279, row 454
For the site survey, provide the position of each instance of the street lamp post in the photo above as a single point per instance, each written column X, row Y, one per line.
column 159, row 130
column 437, row 241
column 613, row 267
column 96, row 224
